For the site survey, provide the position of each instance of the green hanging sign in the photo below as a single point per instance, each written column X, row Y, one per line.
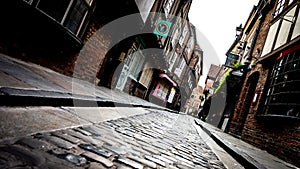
column 162, row 28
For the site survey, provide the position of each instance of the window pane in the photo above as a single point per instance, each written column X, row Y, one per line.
column 76, row 16
column 54, row 8
column 284, row 92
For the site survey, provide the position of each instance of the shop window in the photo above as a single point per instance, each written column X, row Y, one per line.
column 162, row 90
column 146, row 76
column 136, row 64
column 283, row 91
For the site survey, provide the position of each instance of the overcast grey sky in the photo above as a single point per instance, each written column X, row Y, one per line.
column 215, row 22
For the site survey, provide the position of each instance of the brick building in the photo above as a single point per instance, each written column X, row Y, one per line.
column 267, row 113
column 93, row 41
column 194, row 103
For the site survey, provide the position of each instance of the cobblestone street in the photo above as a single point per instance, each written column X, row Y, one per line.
column 154, row 140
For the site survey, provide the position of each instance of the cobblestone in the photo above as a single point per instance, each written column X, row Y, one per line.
column 143, row 161
column 100, row 159
column 130, row 163
column 57, row 141
column 153, row 140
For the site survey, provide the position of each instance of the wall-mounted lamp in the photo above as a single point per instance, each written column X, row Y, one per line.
column 253, row 62
column 238, row 30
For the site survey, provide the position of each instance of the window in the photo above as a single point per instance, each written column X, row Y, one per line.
column 183, row 35
column 55, row 8
column 28, row 1
column 174, row 38
column 283, row 91
column 136, row 64
column 162, row 90
column 69, row 13
column 146, row 76
column 77, row 15
column 279, row 7
column 172, row 60
column 168, row 7
column 179, row 69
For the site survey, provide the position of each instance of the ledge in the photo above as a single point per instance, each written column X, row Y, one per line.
column 276, row 117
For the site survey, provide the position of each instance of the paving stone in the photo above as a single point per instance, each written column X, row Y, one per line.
column 59, row 142
column 160, row 146
column 96, row 150
column 110, row 139
column 98, row 158
column 142, row 138
column 151, row 149
column 75, row 159
column 155, row 160
column 141, row 150
column 66, row 137
column 129, row 162
column 216, row 163
column 182, row 166
column 81, row 136
column 143, row 161
column 124, row 167
column 83, row 131
column 166, row 160
column 201, row 162
column 96, row 165
column 8, row 160
column 174, row 167
column 117, row 150
column 174, row 160
column 24, row 154
column 183, row 155
column 34, row 143
column 131, row 142
column 92, row 130
column 133, row 152
column 183, row 160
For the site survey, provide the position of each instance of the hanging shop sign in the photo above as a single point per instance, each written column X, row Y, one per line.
column 162, row 28
column 231, row 60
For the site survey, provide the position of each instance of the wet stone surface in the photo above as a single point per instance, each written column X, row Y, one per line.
column 154, row 140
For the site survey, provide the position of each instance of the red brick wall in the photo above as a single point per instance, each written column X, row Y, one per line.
column 90, row 58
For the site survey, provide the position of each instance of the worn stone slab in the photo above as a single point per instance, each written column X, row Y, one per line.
column 129, row 162
column 96, row 150
column 99, row 159
column 117, row 150
column 66, row 137
column 24, row 155
column 81, row 136
column 10, row 81
column 58, row 141
column 143, row 161
column 100, row 114
column 27, row 76
column 22, row 121
column 155, row 160
column 34, row 143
